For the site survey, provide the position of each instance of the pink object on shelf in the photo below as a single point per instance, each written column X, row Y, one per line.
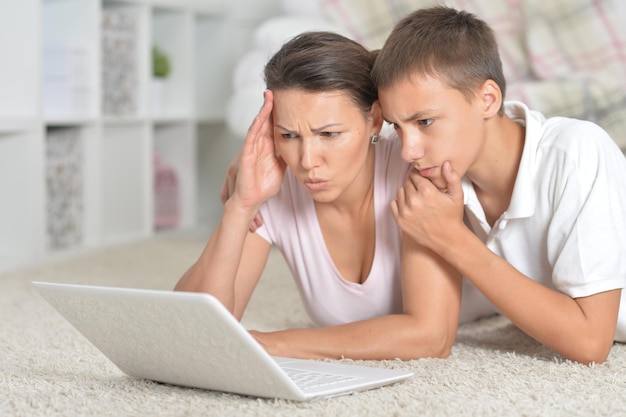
column 166, row 195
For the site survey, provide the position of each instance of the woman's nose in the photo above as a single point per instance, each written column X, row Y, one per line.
column 310, row 153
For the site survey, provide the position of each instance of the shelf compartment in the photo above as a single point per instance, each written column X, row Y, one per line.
column 172, row 34
column 175, row 145
column 211, row 91
column 19, row 73
column 124, row 60
column 126, row 182
column 64, row 188
column 21, row 186
column 71, row 176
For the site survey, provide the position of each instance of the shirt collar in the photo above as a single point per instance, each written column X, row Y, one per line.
column 523, row 198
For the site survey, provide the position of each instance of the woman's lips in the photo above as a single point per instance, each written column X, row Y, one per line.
column 316, row 184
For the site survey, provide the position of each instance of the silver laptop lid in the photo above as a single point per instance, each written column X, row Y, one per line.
column 181, row 338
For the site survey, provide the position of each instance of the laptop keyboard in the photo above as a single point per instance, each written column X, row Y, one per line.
column 311, row 379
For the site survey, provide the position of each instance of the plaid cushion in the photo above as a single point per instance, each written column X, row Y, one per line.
column 371, row 21
column 577, row 50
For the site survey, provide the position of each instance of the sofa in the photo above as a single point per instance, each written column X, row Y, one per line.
column 564, row 58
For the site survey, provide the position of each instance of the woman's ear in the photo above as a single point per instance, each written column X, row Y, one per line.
column 376, row 116
column 491, row 98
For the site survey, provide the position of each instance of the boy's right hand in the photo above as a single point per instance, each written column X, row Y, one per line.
column 429, row 215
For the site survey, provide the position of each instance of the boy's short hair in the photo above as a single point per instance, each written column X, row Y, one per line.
column 441, row 41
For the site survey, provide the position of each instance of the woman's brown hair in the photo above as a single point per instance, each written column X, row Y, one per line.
column 322, row 62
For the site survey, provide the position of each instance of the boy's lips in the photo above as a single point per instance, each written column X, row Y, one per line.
column 426, row 172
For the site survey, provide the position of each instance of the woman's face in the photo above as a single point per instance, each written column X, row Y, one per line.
column 324, row 140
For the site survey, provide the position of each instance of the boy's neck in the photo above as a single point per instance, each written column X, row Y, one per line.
column 494, row 175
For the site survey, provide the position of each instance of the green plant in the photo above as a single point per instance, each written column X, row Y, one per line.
column 160, row 63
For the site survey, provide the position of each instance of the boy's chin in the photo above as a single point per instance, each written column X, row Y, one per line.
column 439, row 183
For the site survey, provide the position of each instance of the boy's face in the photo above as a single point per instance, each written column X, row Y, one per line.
column 436, row 123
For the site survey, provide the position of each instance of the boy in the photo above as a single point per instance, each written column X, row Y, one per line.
column 537, row 223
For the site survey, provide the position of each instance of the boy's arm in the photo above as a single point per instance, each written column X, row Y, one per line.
column 427, row 328
column 580, row 329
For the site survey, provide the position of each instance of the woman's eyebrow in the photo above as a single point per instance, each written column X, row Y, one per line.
column 285, row 129
column 321, row 128
column 315, row 129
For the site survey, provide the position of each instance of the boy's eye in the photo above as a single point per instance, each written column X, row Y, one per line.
column 425, row 122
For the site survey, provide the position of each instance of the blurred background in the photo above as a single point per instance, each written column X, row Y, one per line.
column 118, row 118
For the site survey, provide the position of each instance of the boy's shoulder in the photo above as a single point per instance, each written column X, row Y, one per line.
column 573, row 136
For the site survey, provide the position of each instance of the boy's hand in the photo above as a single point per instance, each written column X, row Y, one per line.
column 428, row 215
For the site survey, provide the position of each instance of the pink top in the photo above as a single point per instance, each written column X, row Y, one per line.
column 290, row 222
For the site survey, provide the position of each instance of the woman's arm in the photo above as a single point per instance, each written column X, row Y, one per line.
column 427, row 328
column 233, row 259
column 230, row 264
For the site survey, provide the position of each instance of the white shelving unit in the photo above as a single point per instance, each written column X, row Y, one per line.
column 84, row 68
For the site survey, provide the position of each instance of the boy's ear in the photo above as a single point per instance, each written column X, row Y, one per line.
column 491, row 98
column 376, row 115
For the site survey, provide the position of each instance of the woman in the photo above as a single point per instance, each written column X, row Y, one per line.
column 312, row 164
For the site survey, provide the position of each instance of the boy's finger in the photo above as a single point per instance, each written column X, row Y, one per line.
column 394, row 210
column 417, row 180
column 453, row 180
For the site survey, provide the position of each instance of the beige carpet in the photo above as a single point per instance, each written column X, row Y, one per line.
column 48, row 369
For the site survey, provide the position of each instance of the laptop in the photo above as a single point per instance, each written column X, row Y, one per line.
column 191, row 339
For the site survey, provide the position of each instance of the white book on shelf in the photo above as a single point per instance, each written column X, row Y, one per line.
column 68, row 74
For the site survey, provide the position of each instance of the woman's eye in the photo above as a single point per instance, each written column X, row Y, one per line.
column 288, row 135
column 329, row 134
column 425, row 122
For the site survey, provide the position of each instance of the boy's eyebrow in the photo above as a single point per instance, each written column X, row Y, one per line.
column 418, row 116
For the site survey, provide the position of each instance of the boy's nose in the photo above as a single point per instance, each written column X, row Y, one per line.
column 412, row 149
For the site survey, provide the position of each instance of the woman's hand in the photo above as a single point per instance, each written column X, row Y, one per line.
column 228, row 188
column 259, row 172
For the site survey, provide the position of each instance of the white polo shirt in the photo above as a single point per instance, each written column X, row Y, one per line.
column 566, row 224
